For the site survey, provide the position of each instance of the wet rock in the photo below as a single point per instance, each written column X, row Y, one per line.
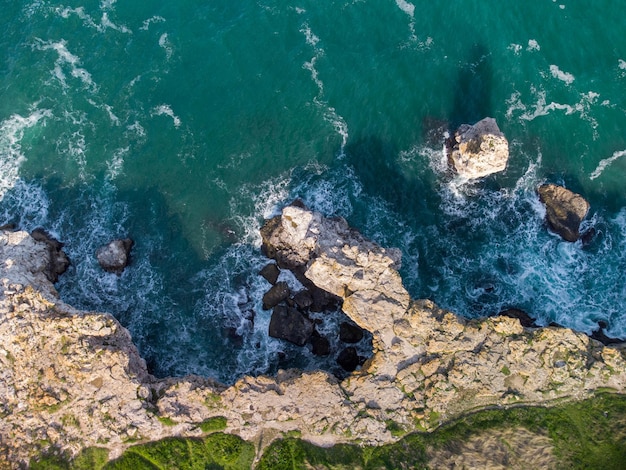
column 599, row 335
column 526, row 320
column 303, row 299
column 350, row 333
column 348, row 359
column 270, row 273
column 289, row 324
column 58, row 260
column 478, row 150
column 321, row 345
column 277, row 294
column 565, row 210
column 115, row 256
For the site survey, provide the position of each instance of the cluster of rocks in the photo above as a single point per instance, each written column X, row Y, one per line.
column 71, row 379
column 291, row 318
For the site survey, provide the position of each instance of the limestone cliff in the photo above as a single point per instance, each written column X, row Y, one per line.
column 71, row 379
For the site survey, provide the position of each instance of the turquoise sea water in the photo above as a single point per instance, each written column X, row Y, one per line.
column 183, row 124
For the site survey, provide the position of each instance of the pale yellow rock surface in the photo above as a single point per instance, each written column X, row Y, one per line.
column 72, row 379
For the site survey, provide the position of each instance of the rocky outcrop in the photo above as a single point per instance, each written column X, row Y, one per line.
column 115, row 256
column 71, row 379
column 565, row 210
column 478, row 150
column 58, row 262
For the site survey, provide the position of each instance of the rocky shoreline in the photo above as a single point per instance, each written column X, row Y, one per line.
column 71, row 379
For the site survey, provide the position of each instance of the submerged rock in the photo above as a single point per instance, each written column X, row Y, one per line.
column 58, row 262
column 115, row 256
column 289, row 324
column 478, row 150
column 321, row 345
column 565, row 210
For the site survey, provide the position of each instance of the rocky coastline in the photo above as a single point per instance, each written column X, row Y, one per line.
column 70, row 379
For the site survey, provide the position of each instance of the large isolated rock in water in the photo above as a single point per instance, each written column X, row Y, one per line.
column 289, row 324
column 115, row 256
column 478, row 150
column 565, row 210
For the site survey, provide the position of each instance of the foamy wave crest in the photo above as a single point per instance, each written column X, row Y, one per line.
column 25, row 204
column 533, row 45
column 66, row 60
column 541, row 107
column 166, row 110
column 166, row 45
column 330, row 113
column 409, row 9
column 150, row 21
column 11, row 134
column 606, row 162
column 104, row 24
column 563, row 76
column 115, row 166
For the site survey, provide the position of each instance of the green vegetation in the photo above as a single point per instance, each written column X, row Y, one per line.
column 217, row 423
column 167, row 421
column 216, row 451
column 586, row 435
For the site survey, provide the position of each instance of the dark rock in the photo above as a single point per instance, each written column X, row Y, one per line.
column 270, row 272
column 58, row 260
column 599, row 335
column 348, row 359
column 526, row 320
column 289, row 324
column 324, row 301
column 303, row 299
column 268, row 228
column 588, row 236
column 565, row 210
column 115, row 256
column 350, row 333
column 321, row 345
column 10, row 227
column 278, row 293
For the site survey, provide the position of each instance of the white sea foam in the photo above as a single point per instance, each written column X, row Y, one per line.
column 330, row 113
column 606, row 162
column 66, row 60
column 150, row 21
column 115, row 166
column 563, row 76
column 622, row 64
column 166, row 110
column 533, row 45
column 516, row 48
column 12, row 132
column 166, row 45
column 104, row 24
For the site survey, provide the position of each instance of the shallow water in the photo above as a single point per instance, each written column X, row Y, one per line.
column 185, row 124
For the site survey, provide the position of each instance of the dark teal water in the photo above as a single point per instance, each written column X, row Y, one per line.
column 184, row 124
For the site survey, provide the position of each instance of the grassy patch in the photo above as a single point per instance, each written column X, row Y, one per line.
column 217, row 423
column 218, row 450
column 585, row 435
column 167, row 421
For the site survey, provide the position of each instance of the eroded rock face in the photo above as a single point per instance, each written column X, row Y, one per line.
column 565, row 210
column 58, row 260
column 479, row 150
column 115, row 256
column 71, row 379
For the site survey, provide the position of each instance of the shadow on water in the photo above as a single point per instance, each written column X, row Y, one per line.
column 472, row 91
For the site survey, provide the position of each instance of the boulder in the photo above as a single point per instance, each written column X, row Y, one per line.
column 478, row 150
column 565, row 210
column 58, row 262
column 348, row 359
column 303, row 299
column 525, row 320
column 321, row 345
column 115, row 256
column 270, row 273
column 277, row 294
column 289, row 324
column 350, row 333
